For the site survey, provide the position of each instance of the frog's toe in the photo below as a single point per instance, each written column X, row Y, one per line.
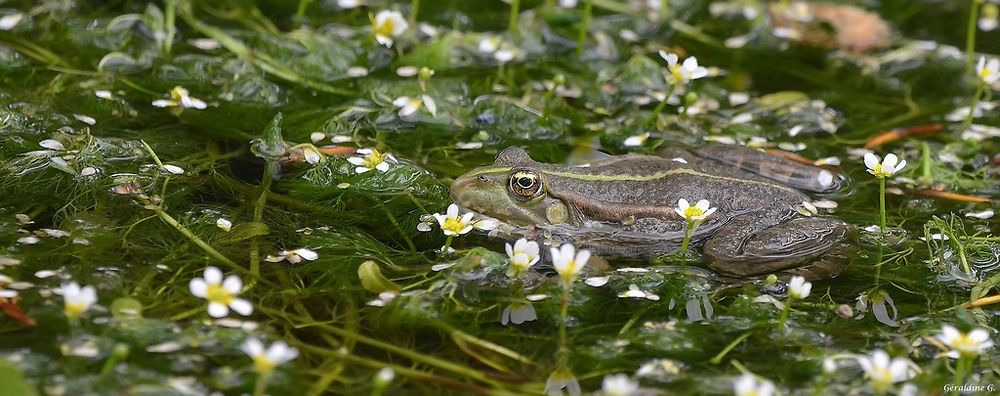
column 795, row 243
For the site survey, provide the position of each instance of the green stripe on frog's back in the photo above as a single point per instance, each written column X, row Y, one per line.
column 656, row 176
column 585, row 176
column 488, row 170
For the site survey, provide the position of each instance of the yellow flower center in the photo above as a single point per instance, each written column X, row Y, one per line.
column 73, row 310
column 374, row 159
column 569, row 273
column 692, row 212
column 454, row 224
column 386, row 28
column 177, row 94
column 965, row 345
column 675, row 71
column 879, row 173
column 881, row 378
column 986, row 73
column 263, row 365
column 218, row 294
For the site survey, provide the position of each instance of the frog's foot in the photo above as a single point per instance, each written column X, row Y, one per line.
column 745, row 247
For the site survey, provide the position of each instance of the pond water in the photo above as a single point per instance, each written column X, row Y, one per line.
column 303, row 148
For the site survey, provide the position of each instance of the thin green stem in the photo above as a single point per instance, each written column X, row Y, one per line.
column 973, row 105
column 664, row 9
column 581, row 38
column 414, row 9
column 926, row 176
column 168, row 43
column 258, row 213
column 563, row 353
column 260, row 385
column 152, row 154
column 881, row 204
column 515, row 10
column 447, row 243
column 687, row 237
column 725, row 351
column 962, row 366
column 970, row 35
column 300, row 11
column 201, row 243
column 415, row 356
column 784, row 313
column 651, row 120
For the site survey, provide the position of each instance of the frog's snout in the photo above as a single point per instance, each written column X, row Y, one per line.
column 464, row 184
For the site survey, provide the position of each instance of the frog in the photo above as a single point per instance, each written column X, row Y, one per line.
column 624, row 206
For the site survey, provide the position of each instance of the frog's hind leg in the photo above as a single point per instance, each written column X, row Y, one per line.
column 782, row 170
column 751, row 245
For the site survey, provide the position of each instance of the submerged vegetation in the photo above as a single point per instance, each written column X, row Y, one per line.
column 252, row 197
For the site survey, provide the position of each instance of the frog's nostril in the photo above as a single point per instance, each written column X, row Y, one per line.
column 483, row 178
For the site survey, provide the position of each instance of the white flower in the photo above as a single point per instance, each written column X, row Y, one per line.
column 486, row 224
column 969, row 344
column 385, row 375
column 77, row 300
column 522, row 256
column 567, row 3
column 698, row 212
column 562, row 379
column 518, row 313
column 293, row 256
column 882, row 372
column 569, row 262
column 86, row 119
column 179, row 96
column 990, row 18
column 348, row 4
column 636, row 140
column 173, row 169
column 384, row 298
column 4, row 281
column 749, row 385
column 618, row 385
column 489, row 44
column 798, row 288
column 8, row 21
column 829, row 366
column 388, row 24
column 597, row 281
column 265, row 360
column 224, row 224
column 373, row 159
column 221, row 294
column 982, row 215
column 634, row 292
column 452, row 224
column 687, row 71
column 988, row 70
column 52, row 144
column 882, row 169
column 408, row 106
column 505, row 54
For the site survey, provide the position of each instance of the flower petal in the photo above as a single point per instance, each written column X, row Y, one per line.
column 213, row 275
column 233, row 284
column 241, row 306
column 217, row 310
column 871, row 160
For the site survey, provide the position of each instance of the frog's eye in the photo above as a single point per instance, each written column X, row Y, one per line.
column 525, row 184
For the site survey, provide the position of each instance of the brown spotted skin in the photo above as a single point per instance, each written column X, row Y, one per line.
column 624, row 206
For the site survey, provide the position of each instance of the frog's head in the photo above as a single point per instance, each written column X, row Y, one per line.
column 511, row 190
